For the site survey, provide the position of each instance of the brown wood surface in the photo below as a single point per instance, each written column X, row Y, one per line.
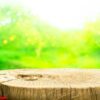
column 50, row 84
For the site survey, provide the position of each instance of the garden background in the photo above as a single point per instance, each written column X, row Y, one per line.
column 26, row 41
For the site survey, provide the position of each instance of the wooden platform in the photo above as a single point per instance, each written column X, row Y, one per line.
column 50, row 84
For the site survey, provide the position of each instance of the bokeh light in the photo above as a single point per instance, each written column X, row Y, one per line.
column 49, row 34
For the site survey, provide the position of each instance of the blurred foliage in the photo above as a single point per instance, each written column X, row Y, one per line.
column 28, row 42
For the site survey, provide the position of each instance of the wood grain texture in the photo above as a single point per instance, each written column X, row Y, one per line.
column 50, row 84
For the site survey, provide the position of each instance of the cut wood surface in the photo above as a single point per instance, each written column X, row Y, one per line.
column 50, row 84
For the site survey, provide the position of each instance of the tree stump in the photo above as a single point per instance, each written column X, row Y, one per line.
column 50, row 84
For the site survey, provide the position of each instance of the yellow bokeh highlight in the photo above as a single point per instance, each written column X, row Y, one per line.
column 29, row 41
column 12, row 38
column 5, row 41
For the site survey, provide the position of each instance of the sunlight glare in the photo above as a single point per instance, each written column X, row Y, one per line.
column 64, row 14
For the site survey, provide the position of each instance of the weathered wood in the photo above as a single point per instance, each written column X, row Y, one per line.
column 50, row 84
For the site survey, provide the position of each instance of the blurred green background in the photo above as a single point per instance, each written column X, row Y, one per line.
column 28, row 42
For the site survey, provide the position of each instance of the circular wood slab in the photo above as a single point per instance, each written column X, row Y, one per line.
column 50, row 84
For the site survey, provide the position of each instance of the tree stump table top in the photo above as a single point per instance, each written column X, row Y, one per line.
column 50, row 84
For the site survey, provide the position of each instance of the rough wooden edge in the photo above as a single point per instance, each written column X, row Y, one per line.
column 72, row 92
